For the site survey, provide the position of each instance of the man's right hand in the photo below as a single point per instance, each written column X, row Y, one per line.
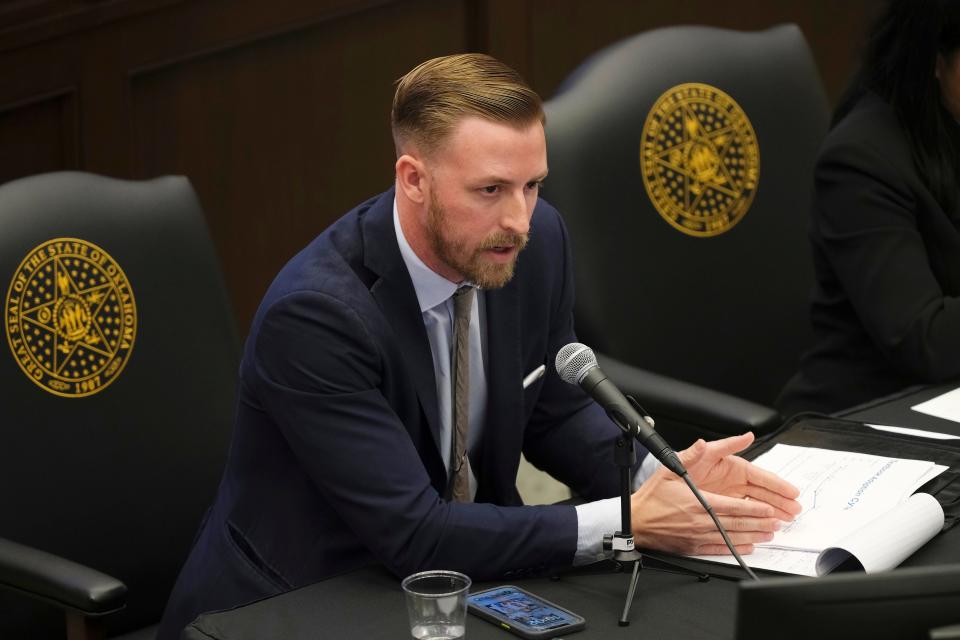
column 750, row 502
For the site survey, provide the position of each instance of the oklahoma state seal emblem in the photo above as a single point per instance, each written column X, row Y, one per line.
column 699, row 159
column 71, row 317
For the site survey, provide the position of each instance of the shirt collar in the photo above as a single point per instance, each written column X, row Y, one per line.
column 431, row 287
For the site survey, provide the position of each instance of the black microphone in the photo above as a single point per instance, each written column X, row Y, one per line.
column 576, row 364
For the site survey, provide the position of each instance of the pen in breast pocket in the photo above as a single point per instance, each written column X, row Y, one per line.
column 534, row 375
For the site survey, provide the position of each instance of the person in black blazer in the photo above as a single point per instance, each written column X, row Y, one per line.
column 885, row 223
column 341, row 454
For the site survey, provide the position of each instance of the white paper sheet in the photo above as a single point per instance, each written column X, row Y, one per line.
column 946, row 406
column 841, row 493
column 896, row 535
column 801, row 563
column 933, row 435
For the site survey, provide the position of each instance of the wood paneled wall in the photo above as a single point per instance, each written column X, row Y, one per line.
column 278, row 111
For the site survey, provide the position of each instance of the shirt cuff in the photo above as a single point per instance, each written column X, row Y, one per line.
column 647, row 468
column 595, row 520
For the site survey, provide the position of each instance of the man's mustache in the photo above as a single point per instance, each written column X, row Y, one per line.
column 504, row 239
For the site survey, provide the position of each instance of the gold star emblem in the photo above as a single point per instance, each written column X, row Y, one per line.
column 699, row 159
column 74, row 341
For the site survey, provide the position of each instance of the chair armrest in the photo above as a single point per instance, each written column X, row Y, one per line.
column 684, row 411
column 61, row 582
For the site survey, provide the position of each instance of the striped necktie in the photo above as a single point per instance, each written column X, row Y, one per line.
column 460, row 464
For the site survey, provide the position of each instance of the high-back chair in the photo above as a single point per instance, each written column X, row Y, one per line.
column 117, row 374
column 681, row 160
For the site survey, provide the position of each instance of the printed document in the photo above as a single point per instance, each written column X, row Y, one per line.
column 853, row 504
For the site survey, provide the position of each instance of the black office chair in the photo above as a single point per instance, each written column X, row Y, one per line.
column 681, row 160
column 117, row 369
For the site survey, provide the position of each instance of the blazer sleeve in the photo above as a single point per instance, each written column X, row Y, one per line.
column 318, row 373
column 871, row 234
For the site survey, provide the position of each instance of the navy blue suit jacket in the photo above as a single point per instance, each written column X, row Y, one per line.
column 335, row 461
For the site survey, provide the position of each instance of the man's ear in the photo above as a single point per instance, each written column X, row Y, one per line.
column 411, row 177
column 938, row 69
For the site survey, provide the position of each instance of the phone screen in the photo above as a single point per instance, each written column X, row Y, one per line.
column 522, row 609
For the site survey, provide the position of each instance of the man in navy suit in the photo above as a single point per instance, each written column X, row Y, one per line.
column 345, row 450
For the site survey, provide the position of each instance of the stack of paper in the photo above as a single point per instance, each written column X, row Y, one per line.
column 853, row 504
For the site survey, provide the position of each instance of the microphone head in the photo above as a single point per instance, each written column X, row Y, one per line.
column 574, row 361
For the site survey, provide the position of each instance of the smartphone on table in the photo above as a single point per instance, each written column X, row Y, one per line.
column 523, row 613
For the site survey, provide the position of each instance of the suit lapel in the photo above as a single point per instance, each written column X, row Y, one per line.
column 394, row 292
column 503, row 433
column 396, row 296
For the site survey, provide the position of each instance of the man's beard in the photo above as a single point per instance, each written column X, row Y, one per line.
column 487, row 275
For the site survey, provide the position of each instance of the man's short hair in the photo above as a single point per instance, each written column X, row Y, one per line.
column 432, row 98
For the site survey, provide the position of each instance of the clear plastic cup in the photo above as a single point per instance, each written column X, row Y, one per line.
column 437, row 604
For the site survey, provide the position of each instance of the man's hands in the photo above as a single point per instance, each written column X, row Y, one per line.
column 749, row 501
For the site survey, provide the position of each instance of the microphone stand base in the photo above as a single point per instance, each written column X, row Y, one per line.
column 624, row 620
column 622, row 542
column 634, row 557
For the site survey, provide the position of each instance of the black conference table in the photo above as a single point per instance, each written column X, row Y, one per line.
column 368, row 603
